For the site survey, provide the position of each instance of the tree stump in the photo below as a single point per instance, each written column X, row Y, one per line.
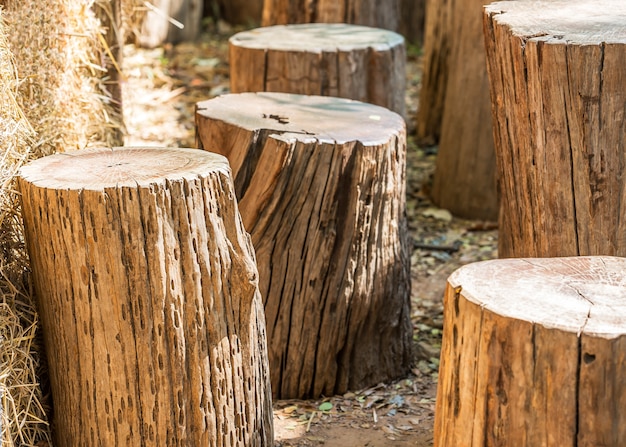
column 147, row 288
column 347, row 61
column 465, row 175
column 373, row 13
column 534, row 354
column 557, row 87
column 321, row 188
column 437, row 36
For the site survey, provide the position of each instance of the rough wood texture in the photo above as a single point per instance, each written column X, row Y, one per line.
column 348, row 61
column 557, row 87
column 465, row 176
column 147, row 290
column 534, row 354
column 374, row 13
column 437, row 43
column 321, row 188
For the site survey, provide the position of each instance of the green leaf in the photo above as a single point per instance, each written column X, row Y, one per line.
column 325, row 406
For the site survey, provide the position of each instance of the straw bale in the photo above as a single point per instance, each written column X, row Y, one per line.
column 54, row 97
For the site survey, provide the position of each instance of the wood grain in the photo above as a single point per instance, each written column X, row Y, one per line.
column 321, row 189
column 533, row 353
column 347, row 61
column 558, row 102
column 146, row 285
column 464, row 181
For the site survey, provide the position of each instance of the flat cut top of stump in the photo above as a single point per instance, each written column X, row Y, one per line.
column 317, row 37
column 564, row 21
column 305, row 117
column 582, row 295
column 95, row 169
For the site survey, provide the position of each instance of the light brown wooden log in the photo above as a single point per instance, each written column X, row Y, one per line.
column 437, row 42
column 348, row 61
column 321, row 188
column 373, row 13
column 465, row 175
column 147, row 289
column 557, row 86
column 534, row 354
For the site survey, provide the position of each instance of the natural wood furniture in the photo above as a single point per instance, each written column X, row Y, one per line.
column 146, row 285
column 534, row 354
column 336, row 59
column 455, row 111
column 321, row 189
column 464, row 181
column 557, row 87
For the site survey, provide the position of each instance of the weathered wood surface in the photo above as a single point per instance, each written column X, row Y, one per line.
column 557, row 87
column 347, row 61
column 321, row 188
column 465, row 175
column 373, row 13
column 438, row 38
column 147, row 289
column 534, row 354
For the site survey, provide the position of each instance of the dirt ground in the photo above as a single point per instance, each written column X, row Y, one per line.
column 161, row 88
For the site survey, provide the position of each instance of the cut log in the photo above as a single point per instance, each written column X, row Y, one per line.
column 147, row 289
column 557, row 86
column 321, row 188
column 534, row 354
column 437, row 43
column 465, row 175
column 347, row 61
column 373, row 13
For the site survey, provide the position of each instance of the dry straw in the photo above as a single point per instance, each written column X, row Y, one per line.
column 54, row 98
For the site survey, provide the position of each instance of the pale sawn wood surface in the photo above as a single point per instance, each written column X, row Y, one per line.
column 321, row 189
column 147, row 290
column 534, row 353
column 329, row 59
column 558, row 100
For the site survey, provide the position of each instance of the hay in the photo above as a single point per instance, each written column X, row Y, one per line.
column 53, row 98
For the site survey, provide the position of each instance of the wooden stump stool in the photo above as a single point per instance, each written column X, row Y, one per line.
column 347, row 61
column 321, row 188
column 557, row 88
column 147, row 288
column 534, row 354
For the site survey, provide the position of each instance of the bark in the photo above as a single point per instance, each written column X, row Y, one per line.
column 347, row 61
column 372, row 13
column 557, row 88
column 147, row 289
column 321, row 188
column 533, row 353
column 465, row 176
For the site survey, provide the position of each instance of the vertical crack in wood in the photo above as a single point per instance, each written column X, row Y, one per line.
column 572, row 167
